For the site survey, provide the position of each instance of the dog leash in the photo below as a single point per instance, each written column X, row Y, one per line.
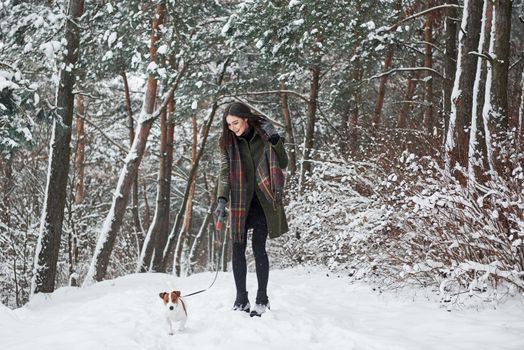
column 218, row 230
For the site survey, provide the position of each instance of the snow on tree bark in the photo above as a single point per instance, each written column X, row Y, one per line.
column 520, row 128
column 457, row 138
column 450, row 66
column 139, row 230
column 48, row 246
column 496, row 102
column 475, row 166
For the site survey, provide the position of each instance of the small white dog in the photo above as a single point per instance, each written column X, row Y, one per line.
column 176, row 311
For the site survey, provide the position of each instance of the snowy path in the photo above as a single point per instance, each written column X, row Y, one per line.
column 309, row 311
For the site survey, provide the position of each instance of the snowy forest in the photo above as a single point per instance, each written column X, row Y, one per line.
column 402, row 119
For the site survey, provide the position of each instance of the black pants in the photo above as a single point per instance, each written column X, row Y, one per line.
column 257, row 221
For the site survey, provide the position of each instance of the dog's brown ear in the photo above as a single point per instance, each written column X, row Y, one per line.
column 162, row 295
column 177, row 292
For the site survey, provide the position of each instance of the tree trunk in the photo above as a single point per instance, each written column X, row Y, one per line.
column 377, row 111
column 501, row 52
column 158, row 231
column 168, row 169
column 139, row 230
column 520, row 119
column 147, row 210
column 48, row 246
column 79, row 193
column 450, row 64
column 498, row 99
column 457, row 138
column 514, row 103
column 407, row 104
column 350, row 118
column 292, row 165
column 356, row 101
column 189, row 205
column 200, row 243
column 477, row 148
column 196, row 242
column 7, row 186
column 113, row 221
column 429, row 122
column 80, row 150
column 495, row 99
column 310, row 123
column 72, row 245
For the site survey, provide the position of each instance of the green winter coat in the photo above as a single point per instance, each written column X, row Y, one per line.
column 250, row 153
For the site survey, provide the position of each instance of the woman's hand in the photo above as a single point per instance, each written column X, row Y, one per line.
column 268, row 127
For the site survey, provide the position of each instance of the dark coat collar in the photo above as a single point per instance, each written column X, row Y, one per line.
column 248, row 134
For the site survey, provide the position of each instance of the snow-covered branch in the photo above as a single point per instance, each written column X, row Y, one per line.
column 270, row 92
column 422, row 13
column 411, row 69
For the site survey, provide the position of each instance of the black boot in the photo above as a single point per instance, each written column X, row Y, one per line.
column 241, row 302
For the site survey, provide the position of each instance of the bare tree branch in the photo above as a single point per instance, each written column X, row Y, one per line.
column 107, row 137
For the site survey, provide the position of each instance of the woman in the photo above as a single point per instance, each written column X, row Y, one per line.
column 251, row 179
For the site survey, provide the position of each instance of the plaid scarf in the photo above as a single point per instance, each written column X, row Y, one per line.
column 237, row 181
column 269, row 177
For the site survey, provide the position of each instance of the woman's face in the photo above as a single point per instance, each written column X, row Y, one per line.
column 236, row 124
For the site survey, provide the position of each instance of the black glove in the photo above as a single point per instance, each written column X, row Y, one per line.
column 221, row 211
column 268, row 127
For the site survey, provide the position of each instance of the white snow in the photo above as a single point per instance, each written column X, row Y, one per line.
column 152, row 67
column 487, row 109
column 111, row 39
column 162, row 50
column 7, row 84
column 50, row 48
column 293, row 3
column 107, row 56
column 297, row 22
column 309, row 310
column 227, row 26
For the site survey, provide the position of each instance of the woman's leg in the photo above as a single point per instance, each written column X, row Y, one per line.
column 261, row 262
column 239, row 271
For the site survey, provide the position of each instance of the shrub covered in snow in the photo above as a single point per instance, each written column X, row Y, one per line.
column 408, row 222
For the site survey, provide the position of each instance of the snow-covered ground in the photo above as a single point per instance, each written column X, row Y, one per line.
column 310, row 310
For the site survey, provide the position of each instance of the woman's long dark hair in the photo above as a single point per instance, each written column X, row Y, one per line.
column 240, row 110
